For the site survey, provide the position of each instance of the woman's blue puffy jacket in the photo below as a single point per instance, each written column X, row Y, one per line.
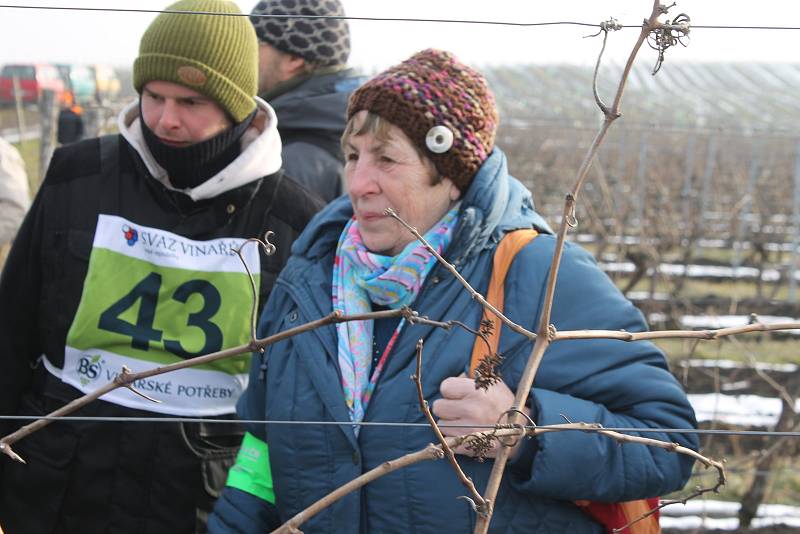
column 614, row 383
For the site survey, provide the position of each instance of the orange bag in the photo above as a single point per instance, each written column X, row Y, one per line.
column 610, row 515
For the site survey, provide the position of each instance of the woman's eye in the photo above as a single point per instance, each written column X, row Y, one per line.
column 351, row 156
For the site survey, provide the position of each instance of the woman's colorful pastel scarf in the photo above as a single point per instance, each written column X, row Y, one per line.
column 361, row 277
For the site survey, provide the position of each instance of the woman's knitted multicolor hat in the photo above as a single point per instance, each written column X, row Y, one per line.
column 216, row 55
column 445, row 107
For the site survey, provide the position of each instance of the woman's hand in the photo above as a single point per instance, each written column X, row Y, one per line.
column 463, row 404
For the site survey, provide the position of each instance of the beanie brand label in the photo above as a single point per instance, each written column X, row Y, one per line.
column 191, row 75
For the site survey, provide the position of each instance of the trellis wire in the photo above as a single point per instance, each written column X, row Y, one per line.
column 796, row 223
column 397, row 424
column 393, row 19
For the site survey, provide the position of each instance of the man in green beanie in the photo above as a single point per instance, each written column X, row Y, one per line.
column 127, row 258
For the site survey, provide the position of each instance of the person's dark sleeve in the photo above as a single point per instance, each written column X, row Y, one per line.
column 238, row 512
column 239, row 509
column 20, row 293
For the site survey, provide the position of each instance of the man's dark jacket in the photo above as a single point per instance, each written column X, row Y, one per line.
column 311, row 120
column 112, row 477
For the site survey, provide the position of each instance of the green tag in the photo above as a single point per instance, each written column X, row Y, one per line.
column 252, row 472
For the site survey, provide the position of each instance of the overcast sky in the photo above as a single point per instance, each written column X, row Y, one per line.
column 28, row 35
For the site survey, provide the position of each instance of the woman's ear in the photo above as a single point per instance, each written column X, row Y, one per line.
column 455, row 192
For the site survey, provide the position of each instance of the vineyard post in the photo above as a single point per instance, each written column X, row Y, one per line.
column 48, row 118
column 705, row 187
column 792, row 272
column 688, row 178
column 641, row 185
column 747, row 205
column 21, row 126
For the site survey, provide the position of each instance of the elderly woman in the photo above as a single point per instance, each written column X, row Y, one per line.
column 420, row 140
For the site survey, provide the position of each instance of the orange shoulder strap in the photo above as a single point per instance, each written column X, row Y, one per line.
column 508, row 248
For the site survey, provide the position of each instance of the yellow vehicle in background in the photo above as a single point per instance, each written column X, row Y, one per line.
column 108, row 84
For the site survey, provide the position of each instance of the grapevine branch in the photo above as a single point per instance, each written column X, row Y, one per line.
column 450, row 267
column 269, row 250
column 477, row 501
column 431, row 452
column 650, row 25
column 610, row 24
column 663, row 504
column 782, row 392
column 552, row 335
column 435, row 452
column 126, row 379
column 622, row 335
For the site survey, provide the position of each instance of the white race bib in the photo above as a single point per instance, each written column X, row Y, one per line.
column 151, row 298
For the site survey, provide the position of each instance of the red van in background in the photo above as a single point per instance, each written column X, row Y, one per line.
column 33, row 79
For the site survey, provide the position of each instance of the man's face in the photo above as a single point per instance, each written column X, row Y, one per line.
column 180, row 116
column 273, row 67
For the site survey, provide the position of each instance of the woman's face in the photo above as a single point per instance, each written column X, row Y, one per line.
column 389, row 173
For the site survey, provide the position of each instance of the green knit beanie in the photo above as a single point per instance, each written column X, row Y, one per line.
column 216, row 55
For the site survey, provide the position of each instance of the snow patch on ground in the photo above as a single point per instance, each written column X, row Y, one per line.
column 742, row 410
column 733, row 364
column 722, row 515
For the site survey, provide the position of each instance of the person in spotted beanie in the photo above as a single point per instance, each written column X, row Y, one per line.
column 127, row 259
column 303, row 74
column 420, row 139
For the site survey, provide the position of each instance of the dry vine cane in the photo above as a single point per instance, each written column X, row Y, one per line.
column 476, row 441
column 546, row 332
column 650, row 25
column 476, row 501
column 127, row 379
column 481, row 441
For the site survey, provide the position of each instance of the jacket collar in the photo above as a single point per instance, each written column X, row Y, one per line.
column 494, row 204
column 300, row 80
column 316, row 106
column 261, row 153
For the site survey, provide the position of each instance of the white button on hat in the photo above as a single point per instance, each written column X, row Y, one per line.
column 439, row 139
